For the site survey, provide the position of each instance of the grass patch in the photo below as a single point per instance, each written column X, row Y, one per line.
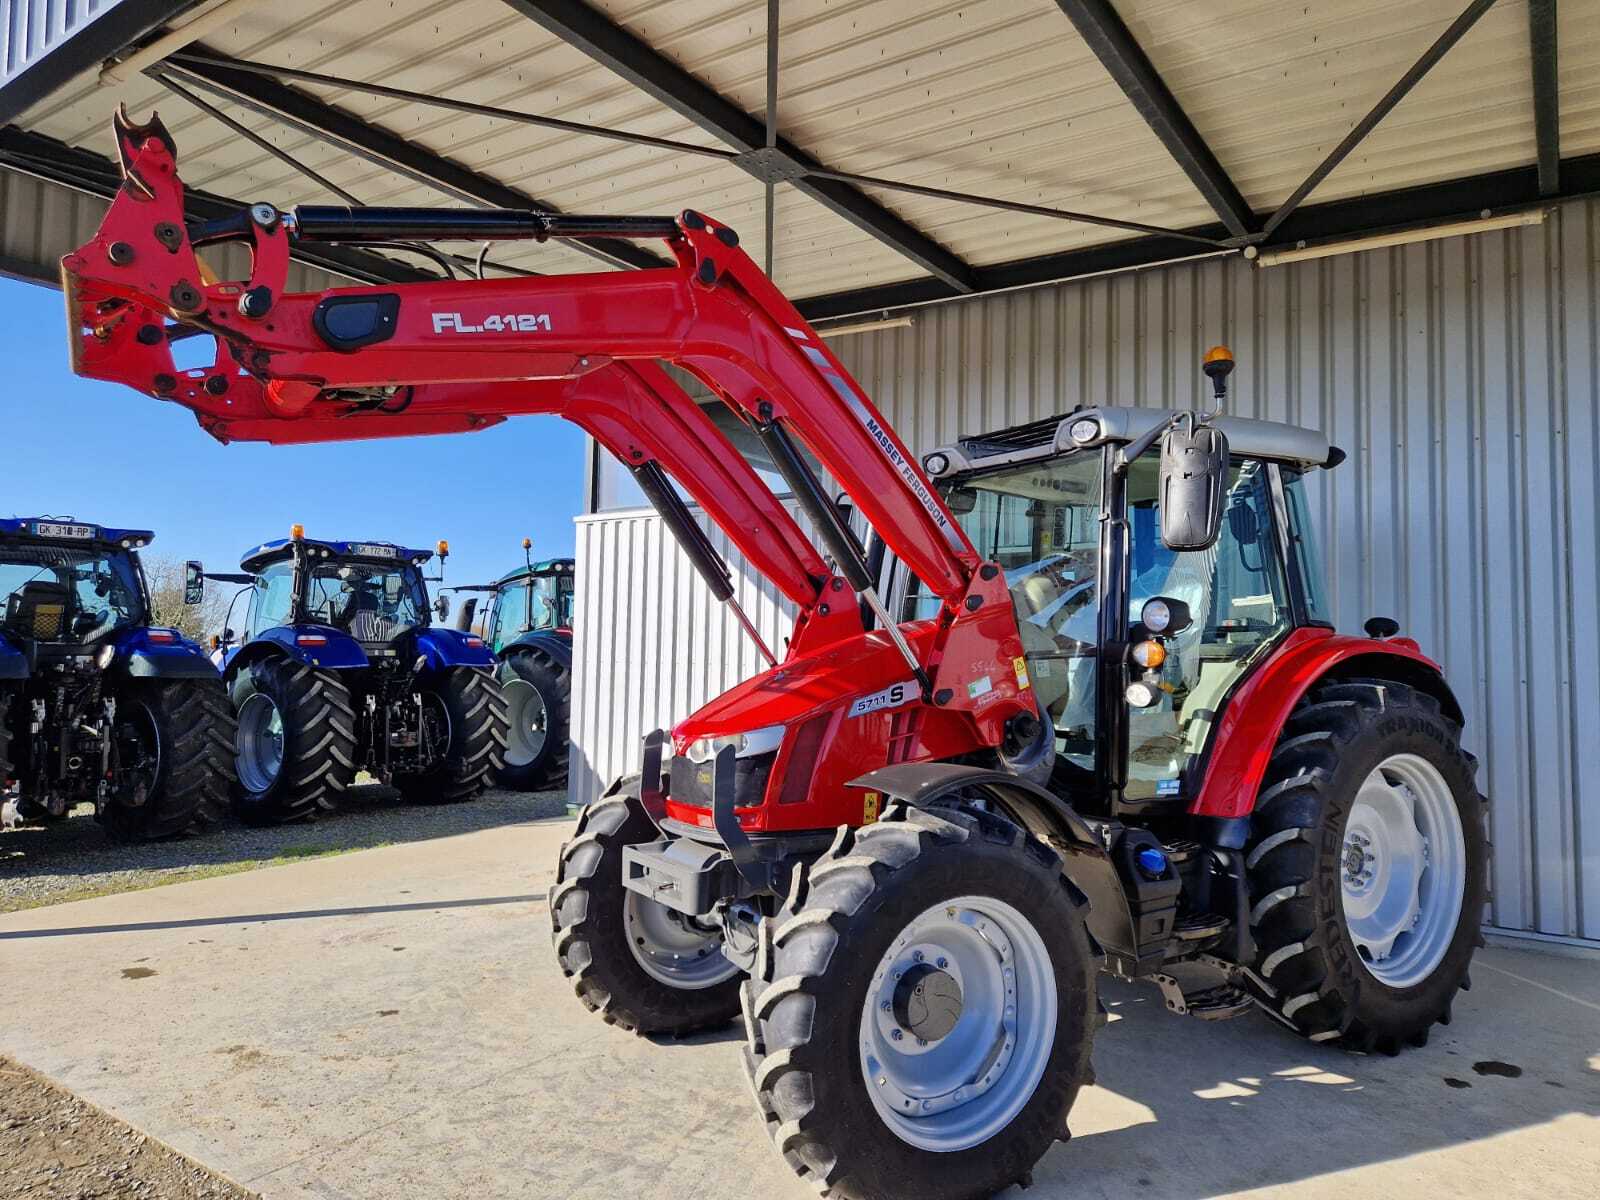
column 140, row 880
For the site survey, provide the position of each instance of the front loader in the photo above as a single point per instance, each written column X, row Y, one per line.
column 1089, row 714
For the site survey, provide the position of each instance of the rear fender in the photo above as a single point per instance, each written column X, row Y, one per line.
column 446, row 649
column 1254, row 716
column 1084, row 859
column 141, row 657
column 338, row 652
column 546, row 642
column 13, row 662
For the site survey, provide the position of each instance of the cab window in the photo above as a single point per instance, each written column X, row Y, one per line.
column 272, row 600
column 1239, row 607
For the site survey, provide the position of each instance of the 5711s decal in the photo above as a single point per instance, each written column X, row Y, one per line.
column 451, row 322
column 892, row 696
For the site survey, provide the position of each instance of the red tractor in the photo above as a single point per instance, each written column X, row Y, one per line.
column 1075, row 706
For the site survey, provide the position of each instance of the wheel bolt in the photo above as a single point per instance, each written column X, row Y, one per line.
column 916, row 956
column 884, row 1005
column 895, row 1035
column 943, row 962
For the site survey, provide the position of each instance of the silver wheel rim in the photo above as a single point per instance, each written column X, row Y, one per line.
column 1403, row 870
column 528, row 721
column 259, row 744
column 982, row 965
column 672, row 948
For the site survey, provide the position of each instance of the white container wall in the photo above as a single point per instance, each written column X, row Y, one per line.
column 1461, row 377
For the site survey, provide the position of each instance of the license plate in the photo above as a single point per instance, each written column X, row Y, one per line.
column 362, row 550
column 51, row 529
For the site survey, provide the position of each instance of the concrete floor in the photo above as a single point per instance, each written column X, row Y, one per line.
column 391, row 1023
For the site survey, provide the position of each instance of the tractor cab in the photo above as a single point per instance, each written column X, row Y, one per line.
column 1133, row 646
column 531, row 599
column 67, row 587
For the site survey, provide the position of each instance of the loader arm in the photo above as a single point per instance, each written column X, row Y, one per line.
column 454, row 355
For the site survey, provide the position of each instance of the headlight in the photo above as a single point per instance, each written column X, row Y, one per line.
column 1155, row 616
column 1141, row 695
column 1083, row 432
column 745, row 745
column 936, row 464
column 104, row 655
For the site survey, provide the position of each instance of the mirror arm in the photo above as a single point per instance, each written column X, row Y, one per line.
column 1130, row 453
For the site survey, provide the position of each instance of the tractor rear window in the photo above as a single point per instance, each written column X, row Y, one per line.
column 67, row 594
column 372, row 602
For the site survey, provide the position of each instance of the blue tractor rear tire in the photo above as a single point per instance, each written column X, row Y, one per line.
column 310, row 716
column 476, row 707
column 175, row 744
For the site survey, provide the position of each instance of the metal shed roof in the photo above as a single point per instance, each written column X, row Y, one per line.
column 1024, row 101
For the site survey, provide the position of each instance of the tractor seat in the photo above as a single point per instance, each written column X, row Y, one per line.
column 38, row 610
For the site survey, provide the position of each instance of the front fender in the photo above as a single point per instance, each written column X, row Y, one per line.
column 446, row 649
column 1253, row 717
column 1085, row 859
column 142, row 657
column 13, row 662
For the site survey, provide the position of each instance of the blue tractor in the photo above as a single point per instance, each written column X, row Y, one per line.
column 529, row 627
column 340, row 670
column 97, row 704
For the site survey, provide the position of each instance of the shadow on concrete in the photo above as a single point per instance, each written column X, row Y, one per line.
column 309, row 914
column 1199, row 1109
column 76, row 847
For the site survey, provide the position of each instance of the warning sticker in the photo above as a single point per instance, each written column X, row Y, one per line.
column 869, row 808
column 1020, row 666
column 981, row 686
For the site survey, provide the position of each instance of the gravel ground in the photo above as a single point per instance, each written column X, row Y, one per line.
column 53, row 1146
column 72, row 859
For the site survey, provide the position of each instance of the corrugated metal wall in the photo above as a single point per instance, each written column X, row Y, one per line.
column 30, row 29
column 1463, row 378
column 40, row 221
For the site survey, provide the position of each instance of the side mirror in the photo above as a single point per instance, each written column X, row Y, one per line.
column 194, row 583
column 961, row 500
column 1194, row 478
column 845, row 507
column 441, row 606
column 228, row 636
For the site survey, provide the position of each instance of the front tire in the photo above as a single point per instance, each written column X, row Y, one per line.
column 296, row 741
column 955, row 930
column 475, row 715
column 637, row 963
column 175, row 747
column 1368, row 867
column 538, row 701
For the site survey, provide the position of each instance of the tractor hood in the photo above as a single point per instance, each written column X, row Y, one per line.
column 801, row 687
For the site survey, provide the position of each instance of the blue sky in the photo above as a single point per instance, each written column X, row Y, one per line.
column 104, row 453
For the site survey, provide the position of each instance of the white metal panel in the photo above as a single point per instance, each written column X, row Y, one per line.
column 30, row 29
column 1461, row 377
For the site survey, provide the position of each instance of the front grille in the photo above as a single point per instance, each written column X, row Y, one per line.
column 691, row 781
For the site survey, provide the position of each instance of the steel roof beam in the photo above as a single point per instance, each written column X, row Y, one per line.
column 1402, row 88
column 326, row 123
column 84, row 171
column 659, row 77
column 1455, row 199
column 1546, row 93
column 1102, row 29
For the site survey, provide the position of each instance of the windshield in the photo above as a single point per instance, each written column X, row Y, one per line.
column 545, row 602
column 1041, row 523
column 68, row 593
column 372, row 602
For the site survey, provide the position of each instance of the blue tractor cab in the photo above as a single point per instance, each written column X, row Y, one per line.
column 98, row 704
column 340, row 669
column 528, row 625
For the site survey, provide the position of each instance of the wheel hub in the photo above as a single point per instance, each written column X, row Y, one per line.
column 927, row 1002
column 958, row 1022
column 1403, row 870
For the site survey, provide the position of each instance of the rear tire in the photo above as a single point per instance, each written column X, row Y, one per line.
column 476, row 709
column 1336, row 969
column 176, row 748
column 315, row 724
column 829, row 1083
column 5, row 741
column 603, row 933
column 535, row 683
